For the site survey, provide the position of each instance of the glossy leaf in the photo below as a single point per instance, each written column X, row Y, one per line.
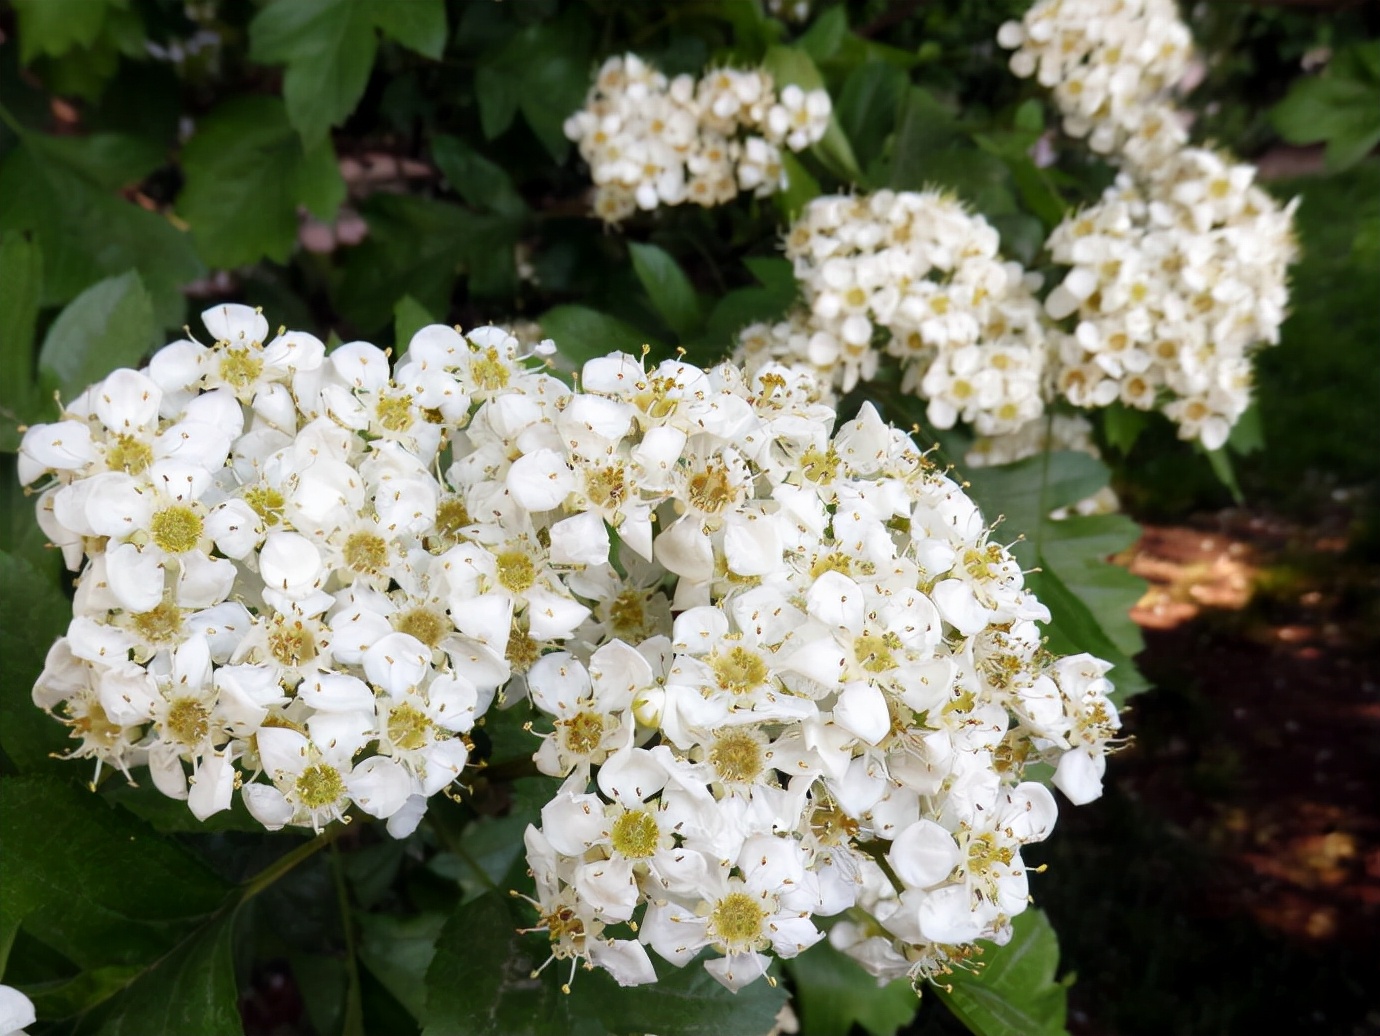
column 109, row 325
column 667, row 286
column 21, row 287
column 54, row 27
column 833, row 993
column 581, row 333
column 1014, row 992
column 419, row 25
column 32, row 615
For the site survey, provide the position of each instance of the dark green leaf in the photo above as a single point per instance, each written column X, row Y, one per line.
column 1222, row 467
column 482, row 183
column 54, row 27
column 84, row 991
column 1122, row 425
column 90, row 233
column 497, row 93
column 328, row 47
column 417, row 24
column 21, row 287
column 1248, row 434
column 667, row 286
column 834, row 993
column 107, row 160
column 801, row 188
column 93, row 882
column 246, row 174
column 398, row 951
column 33, row 614
column 924, row 128
column 191, row 990
column 1342, row 111
column 1014, row 993
column 409, row 317
column 581, row 333
column 416, row 246
column 109, row 325
column 867, row 107
column 1027, row 491
column 545, row 70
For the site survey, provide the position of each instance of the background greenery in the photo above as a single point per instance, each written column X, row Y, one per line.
column 367, row 166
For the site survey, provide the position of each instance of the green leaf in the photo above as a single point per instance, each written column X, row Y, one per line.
column 867, row 108
column 479, row 984
column 109, row 325
column 1222, row 467
column 834, row 994
column 83, row 991
column 416, row 246
column 409, row 317
column 581, row 333
column 924, row 128
column 1343, row 111
column 54, row 27
column 328, row 47
column 191, row 990
column 1014, row 993
column 419, row 25
column 669, row 289
column 92, row 882
column 789, row 65
column 90, row 233
column 482, row 183
column 29, row 623
column 21, row 287
column 801, row 188
column 1248, row 434
column 398, row 951
column 246, row 174
column 1122, row 425
column 1025, row 492
column 544, row 70
column 108, row 160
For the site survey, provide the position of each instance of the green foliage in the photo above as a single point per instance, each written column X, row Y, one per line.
column 1014, row 993
column 584, row 333
column 29, row 623
column 54, row 27
column 21, row 287
column 246, row 174
column 108, row 325
column 669, row 289
column 834, row 994
column 1340, row 107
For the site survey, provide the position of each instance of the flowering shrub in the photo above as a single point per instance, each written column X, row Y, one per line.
column 630, row 688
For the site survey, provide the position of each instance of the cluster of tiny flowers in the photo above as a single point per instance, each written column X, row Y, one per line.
column 817, row 690
column 1049, row 434
column 919, row 275
column 1110, row 65
column 277, row 593
column 1175, row 277
column 653, row 141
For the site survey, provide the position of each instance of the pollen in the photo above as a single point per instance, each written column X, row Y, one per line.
column 451, row 517
column 395, row 413
column 737, row 757
column 319, row 786
column 128, row 454
column 635, row 834
column 522, row 650
column 409, row 728
column 583, row 732
column 735, row 923
column 366, row 553
column 489, row 371
column 739, row 670
column 516, row 572
column 874, row 651
column 710, row 489
column 162, row 624
column 292, row 645
column 240, row 368
column 267, row 503
column 189, row 721
column 422, row 623
column 176, row 529
column 606, row 487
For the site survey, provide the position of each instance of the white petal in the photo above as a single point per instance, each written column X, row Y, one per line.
column 234, row 323
column 213, row 787
column 581, row 540
column 380, row 786
column 924, row 854
column 267, row 805
column 540, row 480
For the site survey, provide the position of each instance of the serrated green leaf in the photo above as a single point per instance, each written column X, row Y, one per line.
column 1343, row 111
column 29, row 623
column 667, row 286
column 581, row 333
column 791, row 65
column 1122, row 425
column 1014, row 993
column 54, row 27
column 90, row 233
column 93, row 882
column 416, row 246
column 409, row 317
column 109, row 325
column 191, row 990
column 834, row 994
column 328, row 47
column 867, row 108
column 398, row 951
column 419, row 25
column 107, row 160
column 543, row 70
column 246, row 174
column 21, row 286
column 482, row 183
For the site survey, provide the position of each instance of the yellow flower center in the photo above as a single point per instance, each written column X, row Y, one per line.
column 409, row 728
column 267, row 502
column 160, row 625
column 422, row 623
column 291, row 645
column 583, row 732
column 319, row 786
column 735, row 923
column 737, row 757
column 189, row 721
column 739, row 670
column 635, row 834
column 176, row 529
column 516, row 572
column 126, row 453
column 366, row 553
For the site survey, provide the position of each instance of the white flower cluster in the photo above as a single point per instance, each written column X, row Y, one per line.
column 276, row 593
column 1048, row 434
column 841, row 717
column 653, row 141
column 1175, row 277
column 926, row 274
column 1110, row 65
